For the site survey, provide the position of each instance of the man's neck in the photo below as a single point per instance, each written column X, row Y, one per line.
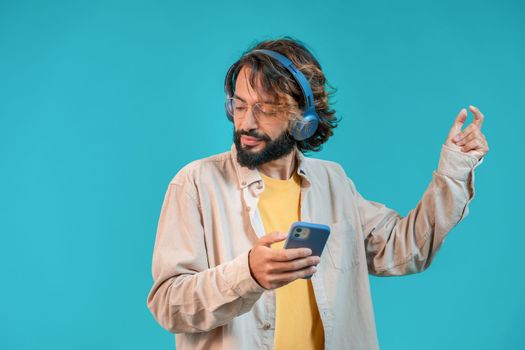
column 281, row 168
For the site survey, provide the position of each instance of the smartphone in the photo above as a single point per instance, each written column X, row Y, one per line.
column 308, row 235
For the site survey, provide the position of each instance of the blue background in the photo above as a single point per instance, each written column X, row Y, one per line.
column 102, row 102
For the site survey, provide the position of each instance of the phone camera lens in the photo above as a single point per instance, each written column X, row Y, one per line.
column 299, row 229
column 296, row 235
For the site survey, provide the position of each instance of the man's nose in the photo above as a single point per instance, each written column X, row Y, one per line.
column 249, row 121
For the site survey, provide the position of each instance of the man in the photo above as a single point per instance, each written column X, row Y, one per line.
column 221, row 277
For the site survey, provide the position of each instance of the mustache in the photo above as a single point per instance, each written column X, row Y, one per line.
column 252, row 133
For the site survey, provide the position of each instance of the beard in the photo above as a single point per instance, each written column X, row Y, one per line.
column 274, row 149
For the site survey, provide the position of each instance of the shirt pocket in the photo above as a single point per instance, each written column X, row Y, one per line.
column 343, row 245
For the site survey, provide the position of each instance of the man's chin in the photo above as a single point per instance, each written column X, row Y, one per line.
column 255, row 148
column 252, row 154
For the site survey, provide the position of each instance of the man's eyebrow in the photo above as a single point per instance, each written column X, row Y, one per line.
column 243, row 100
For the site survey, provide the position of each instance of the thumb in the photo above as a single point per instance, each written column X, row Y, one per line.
column 458, row 123
column 271, row 238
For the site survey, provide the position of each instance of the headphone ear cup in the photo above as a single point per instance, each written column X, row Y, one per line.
column 228, row 89
column 228, row 105
column 305, row 128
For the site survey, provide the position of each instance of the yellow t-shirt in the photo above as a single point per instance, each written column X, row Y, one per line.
column 297, row 321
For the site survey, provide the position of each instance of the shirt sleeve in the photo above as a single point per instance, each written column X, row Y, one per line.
column 398, row 245
column 187, row 295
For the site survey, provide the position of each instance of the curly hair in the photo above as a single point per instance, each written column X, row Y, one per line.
column 279, row 83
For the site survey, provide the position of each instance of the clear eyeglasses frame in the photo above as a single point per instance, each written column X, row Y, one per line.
column 262, row 112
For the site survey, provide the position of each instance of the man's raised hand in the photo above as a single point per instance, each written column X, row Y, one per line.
column 471, row 140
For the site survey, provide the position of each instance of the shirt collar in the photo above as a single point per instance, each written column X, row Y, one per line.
column 246, row 176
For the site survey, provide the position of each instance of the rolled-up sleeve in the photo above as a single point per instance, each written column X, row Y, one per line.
column 188, row 295
column 397, row 245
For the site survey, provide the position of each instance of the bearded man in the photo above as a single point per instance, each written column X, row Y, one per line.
column 222, row 279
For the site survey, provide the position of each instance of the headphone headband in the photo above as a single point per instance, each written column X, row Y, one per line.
column 297, row 74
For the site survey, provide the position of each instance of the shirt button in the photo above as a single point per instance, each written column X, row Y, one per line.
column 243, row 183
column 266, row 326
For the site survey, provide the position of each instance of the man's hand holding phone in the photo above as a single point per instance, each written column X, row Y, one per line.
column 274, row 268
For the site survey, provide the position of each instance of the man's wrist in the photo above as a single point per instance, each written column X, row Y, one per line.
column 250, row 268
column 456, row 164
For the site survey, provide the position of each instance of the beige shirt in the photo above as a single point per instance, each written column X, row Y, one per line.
column 209, row 220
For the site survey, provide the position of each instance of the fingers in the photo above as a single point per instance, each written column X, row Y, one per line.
column 458, row 124
column 472, row 139
column 272, row 268
column 269, row 239
column 272, row 274
column 469, row 133
column 278, row 280
column 460, row 120
column 478, row 116
column 294, row 265
column 285, row 278
column 290, row 254
column 475, row 145
column 475, row 125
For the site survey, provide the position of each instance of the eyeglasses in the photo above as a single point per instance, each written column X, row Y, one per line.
column 262, row 112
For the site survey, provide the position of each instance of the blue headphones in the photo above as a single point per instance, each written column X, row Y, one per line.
column 301, row 129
